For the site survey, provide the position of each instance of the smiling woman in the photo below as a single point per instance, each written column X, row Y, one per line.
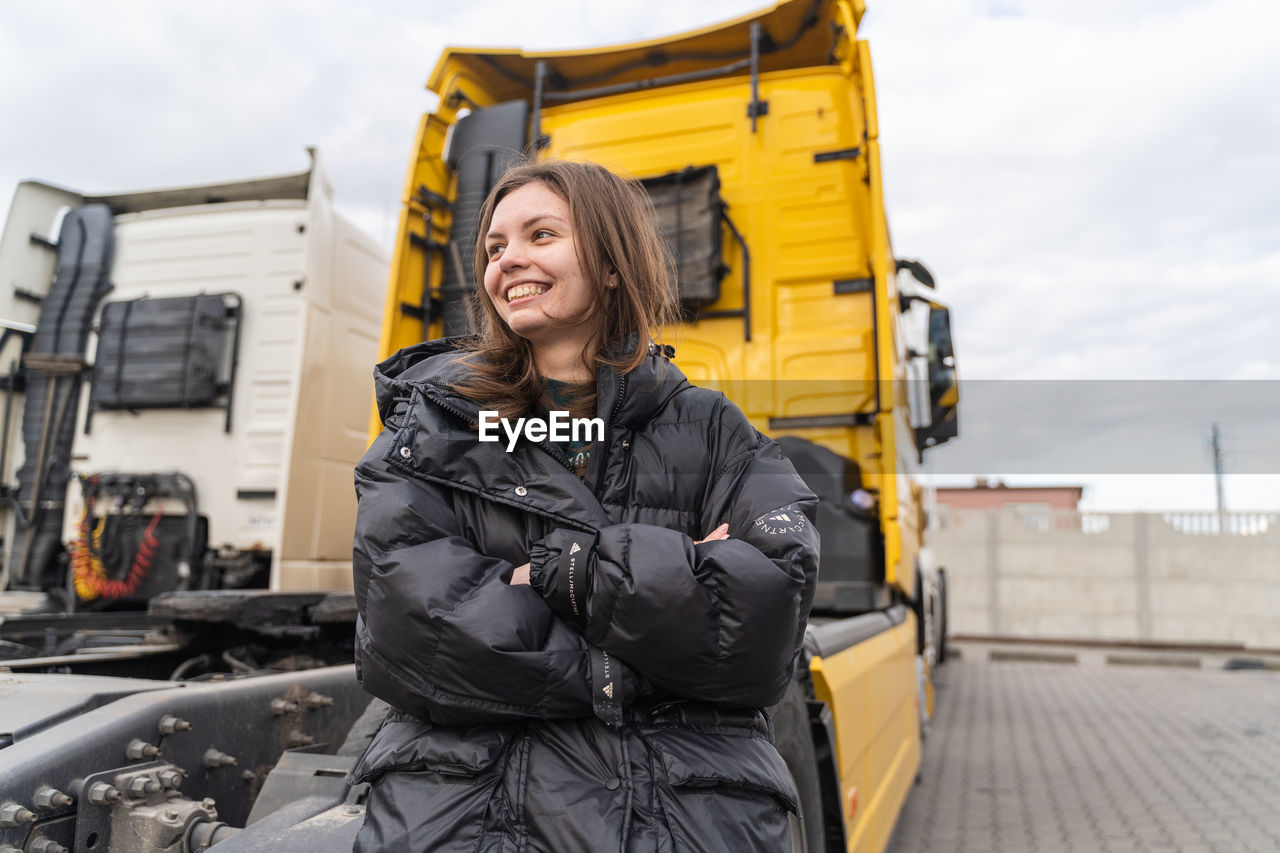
column 589, row 626
column 535, row 280
column 570, row 267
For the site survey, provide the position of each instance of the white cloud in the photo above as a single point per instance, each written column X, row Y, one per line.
column 132, row 94
column 1090, row 183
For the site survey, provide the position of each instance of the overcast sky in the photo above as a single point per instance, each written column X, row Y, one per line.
column 1094, row 184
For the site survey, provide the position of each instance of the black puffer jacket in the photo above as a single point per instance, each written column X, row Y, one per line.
column 613, row 704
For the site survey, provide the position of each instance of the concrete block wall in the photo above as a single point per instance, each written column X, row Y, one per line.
column 1186, row 577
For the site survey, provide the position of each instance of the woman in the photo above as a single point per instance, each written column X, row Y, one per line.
column 577, row 656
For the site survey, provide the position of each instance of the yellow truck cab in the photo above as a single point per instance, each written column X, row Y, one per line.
column 758, row 142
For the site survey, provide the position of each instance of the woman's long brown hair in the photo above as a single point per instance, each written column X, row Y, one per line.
column 613, row 228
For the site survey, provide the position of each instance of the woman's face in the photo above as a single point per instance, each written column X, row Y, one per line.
column 533, row 276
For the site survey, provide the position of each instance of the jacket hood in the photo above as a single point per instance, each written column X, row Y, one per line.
column 442, row 362
column 437, row 362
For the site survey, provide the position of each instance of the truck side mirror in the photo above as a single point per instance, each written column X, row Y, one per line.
column 944, row 388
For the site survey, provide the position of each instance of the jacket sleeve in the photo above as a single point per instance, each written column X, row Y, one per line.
column 440, row 633
column 720, row 621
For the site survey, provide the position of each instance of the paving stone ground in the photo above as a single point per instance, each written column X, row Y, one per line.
column 1059, row 758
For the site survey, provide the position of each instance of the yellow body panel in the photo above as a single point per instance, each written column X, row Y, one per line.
column 872, row 692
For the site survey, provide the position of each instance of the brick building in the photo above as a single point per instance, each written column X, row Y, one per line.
column 1037, row 505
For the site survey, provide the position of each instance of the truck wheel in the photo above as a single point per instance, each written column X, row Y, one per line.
column 795, row 743
column 364, row 728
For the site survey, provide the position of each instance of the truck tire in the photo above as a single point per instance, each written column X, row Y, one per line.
column 794, row 740
column 364, row 728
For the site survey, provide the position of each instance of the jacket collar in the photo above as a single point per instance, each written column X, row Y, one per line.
column 529, row 478
column 627, row 401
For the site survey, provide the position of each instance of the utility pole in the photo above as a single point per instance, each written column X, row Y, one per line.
column 1216, row 443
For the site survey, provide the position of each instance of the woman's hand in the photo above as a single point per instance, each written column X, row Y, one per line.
column 721, row 532
column 520, row 577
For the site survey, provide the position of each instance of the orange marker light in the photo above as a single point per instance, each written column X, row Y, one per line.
column 853, row 802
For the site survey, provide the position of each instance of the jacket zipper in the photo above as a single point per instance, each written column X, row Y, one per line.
column 449, row 407
column 598, row 487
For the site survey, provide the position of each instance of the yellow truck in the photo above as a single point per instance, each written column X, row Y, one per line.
column 758, row 142
column 229, row 718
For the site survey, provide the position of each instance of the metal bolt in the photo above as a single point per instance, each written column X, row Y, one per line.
column 9, row 848
column 48, row 799
column 15, row 814
column 47, row 845
column 405, row 453
column 248, row 775
column 140, row 750
column 169, row 816
column 142, row 786
column 169, row 724
column 214, row 759
column 170, row 778
column 280, row 707
column 316, row 700
column 521, row 491
column 101, row 794
column 210, row 805
column 626, row 445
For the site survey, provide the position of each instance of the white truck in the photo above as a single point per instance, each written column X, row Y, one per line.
column 187, row 385
column 186, row 378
